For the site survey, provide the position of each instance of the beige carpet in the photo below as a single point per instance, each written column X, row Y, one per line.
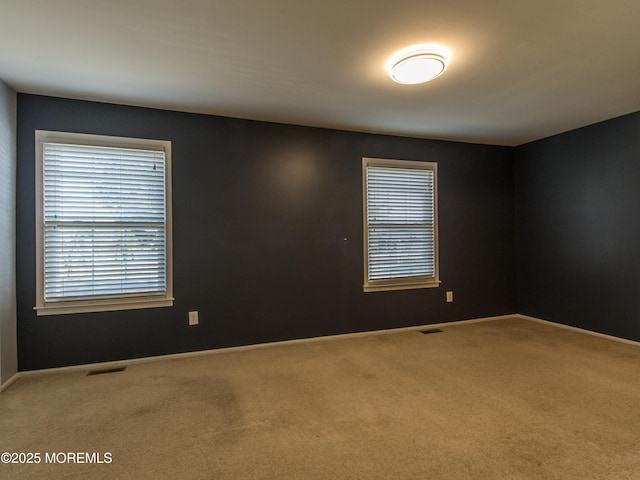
column 505, row 399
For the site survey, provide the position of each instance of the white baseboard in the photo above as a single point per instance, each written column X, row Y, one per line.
column 174, row 356
column 6, row 384
column 581, row 330
column 121, row 363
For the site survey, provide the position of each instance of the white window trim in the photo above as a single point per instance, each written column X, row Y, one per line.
column 111, row 304
column 408, row 282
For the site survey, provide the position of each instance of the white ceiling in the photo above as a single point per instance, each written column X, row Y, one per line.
column 520, row 70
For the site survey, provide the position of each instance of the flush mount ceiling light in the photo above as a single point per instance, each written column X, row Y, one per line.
column 418, row 64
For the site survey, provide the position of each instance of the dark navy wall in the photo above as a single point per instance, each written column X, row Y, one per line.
column 268, row 235
column 578, row 242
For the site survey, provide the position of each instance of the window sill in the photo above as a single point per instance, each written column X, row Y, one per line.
column 400, row 286
column 102, row 306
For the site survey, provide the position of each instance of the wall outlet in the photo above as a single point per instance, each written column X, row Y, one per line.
column 449, row 297
column 193, row 318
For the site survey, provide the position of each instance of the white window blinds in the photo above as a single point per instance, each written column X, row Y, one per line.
column 104, row 222
column 400, row 217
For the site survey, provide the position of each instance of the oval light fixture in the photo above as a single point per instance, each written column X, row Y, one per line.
column 418, row 64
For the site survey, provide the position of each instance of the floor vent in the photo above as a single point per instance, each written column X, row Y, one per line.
column 106, row 370
column 433, row 330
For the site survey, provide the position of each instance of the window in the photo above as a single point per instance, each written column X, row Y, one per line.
column 103, row 223
column 400, row 224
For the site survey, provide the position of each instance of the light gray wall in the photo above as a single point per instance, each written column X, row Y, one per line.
column 8, row 343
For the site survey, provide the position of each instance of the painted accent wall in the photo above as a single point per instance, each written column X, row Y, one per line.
column 8, row 345
column 578, row 218
column 268, row 236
